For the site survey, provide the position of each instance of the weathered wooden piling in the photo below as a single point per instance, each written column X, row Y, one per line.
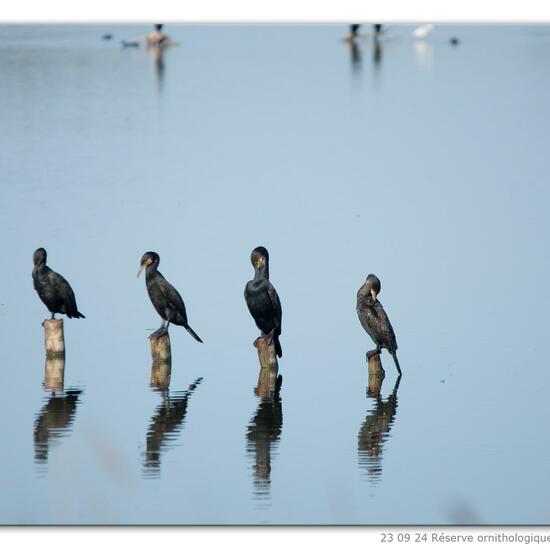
column 266, row 353
column 54, row 374
column 376, row 374
column 160, row 375
column 160, row 348
column 54, row 338
column 267, row 383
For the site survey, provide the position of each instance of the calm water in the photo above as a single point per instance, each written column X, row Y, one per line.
column 421, row 162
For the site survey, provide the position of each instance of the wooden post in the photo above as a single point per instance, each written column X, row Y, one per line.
column 267, row 383
column 266, row 353
column 160, row 375
column 54, row 374
column 376, row 374
column 54, row 338
column 160, row 348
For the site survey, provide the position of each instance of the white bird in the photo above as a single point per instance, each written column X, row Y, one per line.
column 423, row 31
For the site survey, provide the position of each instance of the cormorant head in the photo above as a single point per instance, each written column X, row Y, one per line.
column 149, row 258
column 158, row 27
column 39, row 256
column 373, row 285
column 259, row 257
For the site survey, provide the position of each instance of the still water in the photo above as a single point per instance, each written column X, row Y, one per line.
column 418, row 161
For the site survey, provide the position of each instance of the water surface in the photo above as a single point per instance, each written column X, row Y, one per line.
column 421, row 162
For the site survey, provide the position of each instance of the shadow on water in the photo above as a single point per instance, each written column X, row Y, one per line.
column 376, row 428
column 265, row 429
column 168, row 420
column 56, row 417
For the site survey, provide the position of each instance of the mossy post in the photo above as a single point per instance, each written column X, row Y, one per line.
column 54, row 374
column 160, row 348
column 376, row 374
column 54, row 338
column 266, row 353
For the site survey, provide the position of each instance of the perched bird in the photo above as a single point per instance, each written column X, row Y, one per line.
column 353, row 32
column 157, row 37
column 165, row 297
column 374, row 318
column 53, row 289
column 262, row 299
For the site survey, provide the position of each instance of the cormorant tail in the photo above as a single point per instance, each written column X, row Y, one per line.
column 76, row 315
column 394, row 355
column 192, row 333
column 278, row 348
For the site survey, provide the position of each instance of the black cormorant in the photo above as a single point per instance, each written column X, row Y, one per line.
column 165, row 297
column 353, row 32
column 52, row 288
column 262, row 299
column 374, row 318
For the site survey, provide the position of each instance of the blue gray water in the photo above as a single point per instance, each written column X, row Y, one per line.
column 421, row 162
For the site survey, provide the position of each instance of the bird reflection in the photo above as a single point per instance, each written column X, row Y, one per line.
column 265, row 429
column 157, row 54
column 165, row 427
column 375, row 430
column 355, row 56
column 54, row 421
column 377, row 54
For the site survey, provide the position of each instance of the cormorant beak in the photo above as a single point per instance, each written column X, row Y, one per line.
column 142, row 267
column 373, row 293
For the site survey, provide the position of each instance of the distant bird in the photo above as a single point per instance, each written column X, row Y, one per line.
column 374, row 318
column 423, row 30
column 353, row 32
column 107, row 36
column 129, row 43
column 262, row 299
column 53, row 289
column 454, row 41
column 157, row 37
column 165, row 297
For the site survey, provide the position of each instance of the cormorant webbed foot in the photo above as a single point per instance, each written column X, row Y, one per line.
column 372, row 353
column 159, row 333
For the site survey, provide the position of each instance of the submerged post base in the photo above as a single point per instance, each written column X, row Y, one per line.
column 266, row 353
column 268, row 383
column 376, row 374
column 54, row 374
column 160, row 375
column 54, row 338
column 160, row 348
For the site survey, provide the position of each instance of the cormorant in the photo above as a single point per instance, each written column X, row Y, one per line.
column 374, row 319
column 262, row 299
column 165, row 297
column 353, row 32
column 53, row 289
column 157, row 37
